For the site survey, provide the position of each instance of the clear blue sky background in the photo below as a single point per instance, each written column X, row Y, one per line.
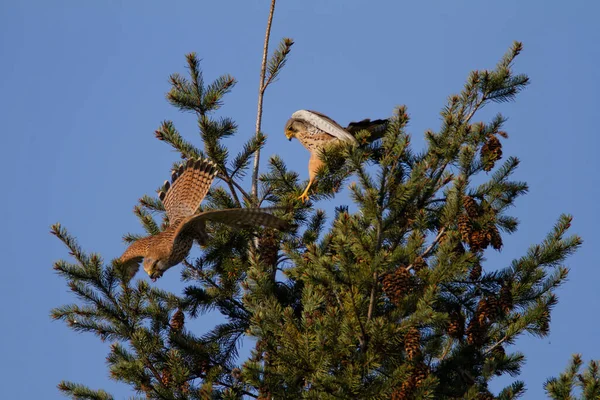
column 82, row 88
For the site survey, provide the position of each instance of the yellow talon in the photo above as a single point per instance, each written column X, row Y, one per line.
column 304, row 197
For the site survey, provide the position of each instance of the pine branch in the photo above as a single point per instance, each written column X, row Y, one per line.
column 167, row 132
column 277, row 61
column 80, row 392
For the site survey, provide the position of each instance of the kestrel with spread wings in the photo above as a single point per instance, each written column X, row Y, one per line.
column 181, row 198
column 316, row 131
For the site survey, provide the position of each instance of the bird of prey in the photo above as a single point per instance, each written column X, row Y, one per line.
column 181, row 198
column 316, row 131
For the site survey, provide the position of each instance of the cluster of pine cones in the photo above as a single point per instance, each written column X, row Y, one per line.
column 418, row 375
column 488, row 310
column 476, row 236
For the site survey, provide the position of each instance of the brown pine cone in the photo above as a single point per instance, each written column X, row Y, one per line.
column 420, row 373
column 487, row 309
column 405, row 390
column 397, row 284
column 499, row 352
column 475, row 272
column 177, row 321
column 412, row 343
column 506, row 298
column 485, row 396
column 491, row 152
column 419, row 264
column 464, row 227
column 268, row 247
column 478, row 241
column 476, row 333
column 471, row 207
column 166, row 377
column 456, row 325
column 495, row 238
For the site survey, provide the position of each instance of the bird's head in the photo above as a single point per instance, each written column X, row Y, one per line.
column 293, row 126
column 155, row 268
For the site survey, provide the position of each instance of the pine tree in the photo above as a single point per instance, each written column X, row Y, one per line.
column 390, row 301
column 588, row 382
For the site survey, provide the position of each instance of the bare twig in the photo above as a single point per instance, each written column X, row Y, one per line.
column 488, row 351
column 261, row 93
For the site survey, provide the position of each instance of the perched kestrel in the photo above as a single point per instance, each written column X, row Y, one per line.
column 315, row 131
column 181, row 199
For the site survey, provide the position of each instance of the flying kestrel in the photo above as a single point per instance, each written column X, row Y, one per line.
column 181, row 199
column 316, row 131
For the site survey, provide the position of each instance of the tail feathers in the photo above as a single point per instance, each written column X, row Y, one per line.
column 377, row 128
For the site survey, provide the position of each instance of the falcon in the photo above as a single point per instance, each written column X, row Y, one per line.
column 181, row 198
column 316, row 131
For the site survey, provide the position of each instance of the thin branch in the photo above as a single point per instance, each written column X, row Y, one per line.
column 261, row 93
column 475, row 108
column 488, row 351
column 431, row 246
column 225, row 178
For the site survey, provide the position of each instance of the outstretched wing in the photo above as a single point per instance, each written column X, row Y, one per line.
column 135, row 253
column 189, row 184
column 234, row 217
column 324, row 123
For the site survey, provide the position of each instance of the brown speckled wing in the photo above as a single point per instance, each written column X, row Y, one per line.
column 135, row 253
column 234, row 217
column 188, row 187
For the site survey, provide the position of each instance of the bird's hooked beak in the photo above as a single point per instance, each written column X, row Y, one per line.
column 289, row 132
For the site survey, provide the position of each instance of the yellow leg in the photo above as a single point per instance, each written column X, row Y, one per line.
column 313, row 166
column 304, row 196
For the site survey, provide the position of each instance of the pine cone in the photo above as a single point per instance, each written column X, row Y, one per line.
column 487, row 309
column 499, row 352
column 412, row 343
column 166, row 377
column 185, row 387
column 478, row 241
column 268, row 247
column 456, row 325
column 475, row 333
column 404, row 391
column 495, row 238
column 506, row 299
column 475, row 273
column 471, row 206
column 485, row 396
column 419, row 264
column 236, row 373
column 491, row 152
column 146, row 388
column 177, row 321
column 464, row 227
column 420, row 374
column 396, row 284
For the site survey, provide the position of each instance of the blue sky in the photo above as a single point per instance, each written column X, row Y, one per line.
column 82, row 89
